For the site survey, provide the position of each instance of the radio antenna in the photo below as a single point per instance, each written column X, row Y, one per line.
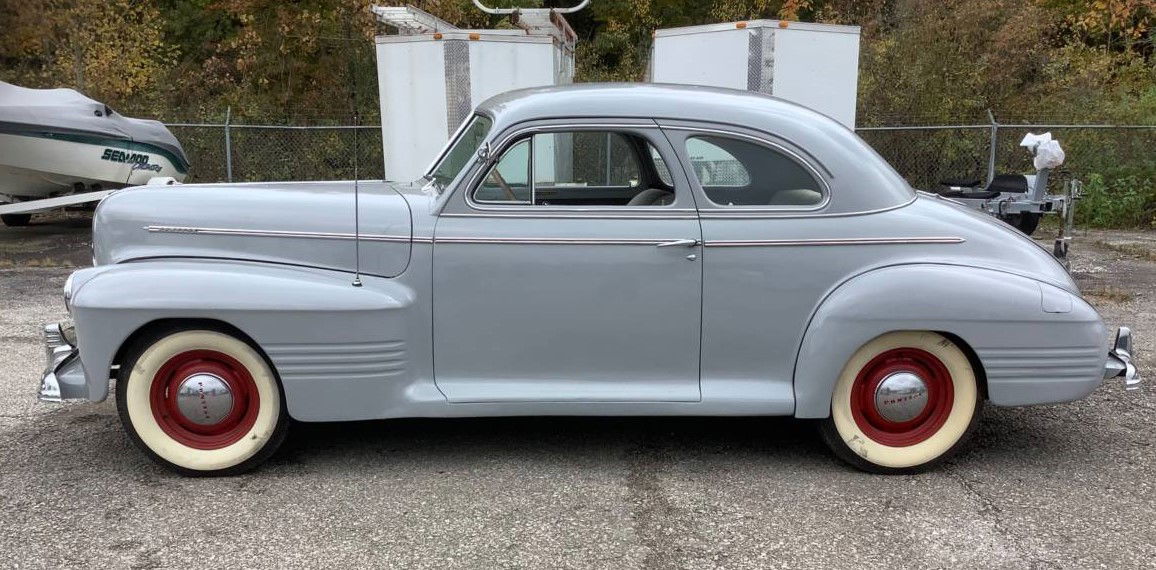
column 356, row 151
column 356, row 207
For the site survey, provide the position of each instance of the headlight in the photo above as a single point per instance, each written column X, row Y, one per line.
column 68, row 294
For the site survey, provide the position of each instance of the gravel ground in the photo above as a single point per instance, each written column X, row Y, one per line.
column 1060, row 486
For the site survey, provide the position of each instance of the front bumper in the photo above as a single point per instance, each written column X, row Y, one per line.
column 1119, row 364
column 63, row 376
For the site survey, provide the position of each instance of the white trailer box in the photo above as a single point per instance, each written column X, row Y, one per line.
column 816, row 65
column 429, row 83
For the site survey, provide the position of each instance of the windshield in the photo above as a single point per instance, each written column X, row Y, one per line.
column 461, row 151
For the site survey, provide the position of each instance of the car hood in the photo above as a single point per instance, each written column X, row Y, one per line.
column 297, row 223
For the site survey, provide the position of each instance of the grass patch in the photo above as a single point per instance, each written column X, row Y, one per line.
column 35, row 262
column 1133, row 249
column 1110, row 293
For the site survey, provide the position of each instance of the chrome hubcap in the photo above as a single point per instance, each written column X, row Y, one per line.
column 901, row 397
column 204, row 399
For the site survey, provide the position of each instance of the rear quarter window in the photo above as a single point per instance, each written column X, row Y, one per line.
column 736, row 172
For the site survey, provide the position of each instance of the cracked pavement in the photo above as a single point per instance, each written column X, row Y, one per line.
column 1058, row 486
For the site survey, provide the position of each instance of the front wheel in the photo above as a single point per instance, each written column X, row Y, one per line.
column 904, row 401
column 200, row 402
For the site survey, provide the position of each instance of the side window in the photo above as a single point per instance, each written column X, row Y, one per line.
column 584, row 158
column 578, row 168
column 660, row 166
column 736, row 172
column 509, row 179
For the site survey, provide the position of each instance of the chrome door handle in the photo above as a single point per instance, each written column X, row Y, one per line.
column 679, row 242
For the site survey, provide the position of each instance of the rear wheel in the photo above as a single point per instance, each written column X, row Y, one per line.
column 905, row 401
column 1026, row 222
column 200, row 402
column 16, row 220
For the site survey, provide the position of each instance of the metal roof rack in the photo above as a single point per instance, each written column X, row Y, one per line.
column 540, row 21
column 411, row 21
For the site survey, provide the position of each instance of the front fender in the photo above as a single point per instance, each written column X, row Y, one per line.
column 1036, row 343
column 269, row 303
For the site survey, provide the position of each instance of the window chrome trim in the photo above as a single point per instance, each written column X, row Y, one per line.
column 836, row 241
column 711, row 205
column 493, row 165
column 521, row 209
column 453, row 140
column 720, row 214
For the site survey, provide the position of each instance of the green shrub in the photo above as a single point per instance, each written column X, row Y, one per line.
column 1118, row 202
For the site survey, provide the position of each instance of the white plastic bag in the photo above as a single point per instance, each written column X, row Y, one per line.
column 1048, row 151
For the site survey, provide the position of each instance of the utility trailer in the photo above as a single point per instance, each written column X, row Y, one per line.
column 815, row 65
column 431, row 74
column 1022, row 200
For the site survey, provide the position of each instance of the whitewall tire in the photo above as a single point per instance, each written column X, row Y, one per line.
column 904, row 401
column 200, row 402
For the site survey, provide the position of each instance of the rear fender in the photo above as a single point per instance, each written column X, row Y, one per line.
column 1037, row 343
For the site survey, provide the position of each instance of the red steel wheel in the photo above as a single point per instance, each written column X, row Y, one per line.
column 902, row 397
column 903, row 401
column 204, row 399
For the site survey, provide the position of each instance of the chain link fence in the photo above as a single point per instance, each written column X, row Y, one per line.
column 929, row 155
column 924, row 155
column 257, row 153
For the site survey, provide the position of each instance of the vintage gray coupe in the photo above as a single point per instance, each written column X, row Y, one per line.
column 586, row 250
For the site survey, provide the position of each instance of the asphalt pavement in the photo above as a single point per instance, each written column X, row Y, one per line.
column 1071, row 486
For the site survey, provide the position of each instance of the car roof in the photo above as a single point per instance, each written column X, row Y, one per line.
column 652, row 100
column 871, row 183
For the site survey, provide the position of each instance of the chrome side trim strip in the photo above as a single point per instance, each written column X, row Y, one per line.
column 576, row 214
column 554, row 241
column 275, row 233
column 550, row 241
column 834, row 241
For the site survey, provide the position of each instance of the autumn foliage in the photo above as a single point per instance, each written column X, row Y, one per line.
column 303, row 62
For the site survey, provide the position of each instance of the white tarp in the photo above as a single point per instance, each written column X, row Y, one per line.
column 1048, row 151
column 69, row 112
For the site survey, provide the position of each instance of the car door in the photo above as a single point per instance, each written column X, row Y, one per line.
column 771, row 255
column 566, row 268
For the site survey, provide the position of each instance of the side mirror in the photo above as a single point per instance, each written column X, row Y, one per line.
column 484, row 152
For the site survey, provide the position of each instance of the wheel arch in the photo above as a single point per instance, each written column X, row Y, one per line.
column 265, row 305
column 972, row 357
column 174, row 324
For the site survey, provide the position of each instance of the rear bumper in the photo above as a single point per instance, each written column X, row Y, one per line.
column 1119, row 363
column 63, row 377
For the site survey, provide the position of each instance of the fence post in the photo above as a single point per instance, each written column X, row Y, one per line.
column 228, row 145
column 991, row 147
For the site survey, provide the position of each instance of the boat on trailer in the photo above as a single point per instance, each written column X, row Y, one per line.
column 57, row 142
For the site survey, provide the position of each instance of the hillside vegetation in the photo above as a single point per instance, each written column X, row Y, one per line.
column 922, row 62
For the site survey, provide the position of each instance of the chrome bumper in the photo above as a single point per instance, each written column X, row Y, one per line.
column 1119, row 364
column 60, row 353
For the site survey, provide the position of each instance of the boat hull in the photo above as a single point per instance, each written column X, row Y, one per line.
column 41, row 165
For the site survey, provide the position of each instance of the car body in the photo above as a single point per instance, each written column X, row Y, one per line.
column 587, row 250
